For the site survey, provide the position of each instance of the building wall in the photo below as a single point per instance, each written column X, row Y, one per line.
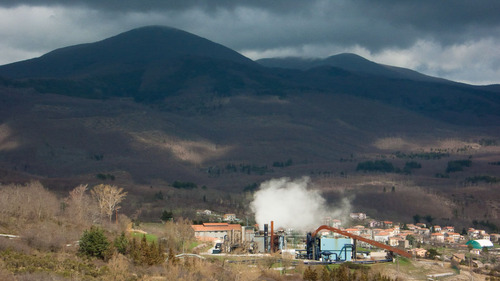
column 335, row 245
column 211, row 234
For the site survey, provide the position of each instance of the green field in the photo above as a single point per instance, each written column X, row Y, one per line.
column 149, row 237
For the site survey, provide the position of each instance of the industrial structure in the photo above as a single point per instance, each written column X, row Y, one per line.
column 268, row 240
column 331, row 249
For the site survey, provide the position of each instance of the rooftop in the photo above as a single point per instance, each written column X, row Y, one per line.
column 216, row 227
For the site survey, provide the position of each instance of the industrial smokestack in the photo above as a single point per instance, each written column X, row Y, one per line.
column 265, row 237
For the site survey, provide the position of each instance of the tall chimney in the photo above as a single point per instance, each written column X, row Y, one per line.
column 272, row 236
column 265, row 237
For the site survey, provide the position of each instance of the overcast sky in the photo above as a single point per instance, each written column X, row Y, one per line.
column 457, row 40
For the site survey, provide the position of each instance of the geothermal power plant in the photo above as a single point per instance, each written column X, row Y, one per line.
column 326, row 244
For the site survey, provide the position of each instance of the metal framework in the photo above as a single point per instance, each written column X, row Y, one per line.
column 357, row 237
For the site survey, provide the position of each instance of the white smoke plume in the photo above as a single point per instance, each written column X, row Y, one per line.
column 291, row 204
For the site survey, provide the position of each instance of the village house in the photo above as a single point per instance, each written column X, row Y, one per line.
column 387, row 224
column 485, row 236
column 405, row 233
column 204, row 212
column 381, row 236
column 396, row 241
column 397, row 229
column 437, row 237
column 332, row 222
column 229, row 217
column 374, row 223
column 472, row 233
column 436, row 228
column 449, row 240
column 358, row 216
column 423, row 231
column 448, row 229
column 354, row 231
column 336, row 223
column 495, row 237
column 390, row 231
column 411, row 226
column 453, row 237
column 403, row 243
column 418, row 252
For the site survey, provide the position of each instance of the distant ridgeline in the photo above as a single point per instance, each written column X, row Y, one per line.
column 153, row 63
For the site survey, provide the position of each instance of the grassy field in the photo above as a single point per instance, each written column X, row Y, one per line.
column 149, row 237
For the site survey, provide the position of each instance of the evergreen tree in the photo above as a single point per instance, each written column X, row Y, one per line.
column 121, row 244
column 134, row 250
column 166, row 215
column 94, row 243
column 144, row 250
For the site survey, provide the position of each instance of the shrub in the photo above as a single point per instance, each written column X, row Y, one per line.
column 422, row 155
column 184, row 185
column 413, row 165
column 486, row 179
column 45, row 237
column 432, row 253
column 310, row 274
column 105, row 176
column 94, row 243
column 457, row 165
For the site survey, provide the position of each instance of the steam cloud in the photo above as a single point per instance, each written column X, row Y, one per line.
column 291, row 204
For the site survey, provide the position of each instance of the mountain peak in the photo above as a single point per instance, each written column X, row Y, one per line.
column 139, row 47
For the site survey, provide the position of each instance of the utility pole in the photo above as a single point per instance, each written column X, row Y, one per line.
column 470, row 268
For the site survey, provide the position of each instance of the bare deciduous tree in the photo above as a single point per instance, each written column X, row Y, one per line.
column 178, row 234
column 80, row 208
column 77, row 201
column 108, row 197
column 30, row 202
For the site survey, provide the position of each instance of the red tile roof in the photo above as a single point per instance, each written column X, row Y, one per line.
column 215, row 227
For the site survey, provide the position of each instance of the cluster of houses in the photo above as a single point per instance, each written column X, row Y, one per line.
column 414, row 234
column 212, row 216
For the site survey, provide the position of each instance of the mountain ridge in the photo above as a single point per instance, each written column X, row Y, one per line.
column 137, row 47
column 350, row 62
column 153, row 63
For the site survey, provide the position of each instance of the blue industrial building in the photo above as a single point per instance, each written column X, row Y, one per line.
column 330, row 249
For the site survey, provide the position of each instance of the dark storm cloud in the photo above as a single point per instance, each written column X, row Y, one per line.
column 371, row 24
column 152, row 5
